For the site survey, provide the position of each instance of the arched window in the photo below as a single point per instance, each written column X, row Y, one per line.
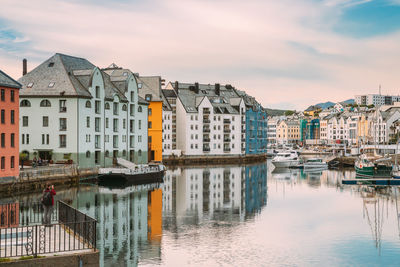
column 139, row 109
column 45, row 103
column 107, row 153
column 88, row 104
column 107, row 105
column 124, row 107
column 25, row 103
column 140, row 153
column 88, row 154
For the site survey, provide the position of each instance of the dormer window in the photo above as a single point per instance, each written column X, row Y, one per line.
column 51, row 64
column 139, row 85
column 125, row 74
column 51, row 85
column 29, row 85
column 148, row 97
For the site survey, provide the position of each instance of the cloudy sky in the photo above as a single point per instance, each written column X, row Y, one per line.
column 286, row 53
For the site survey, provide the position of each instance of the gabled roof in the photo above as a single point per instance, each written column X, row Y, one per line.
column 7, row 81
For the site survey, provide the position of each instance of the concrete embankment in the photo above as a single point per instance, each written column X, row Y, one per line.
column 213, row 160
column 33, row 179
column 87, row 259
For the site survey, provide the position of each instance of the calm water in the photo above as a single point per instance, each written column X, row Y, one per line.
column 244, row 216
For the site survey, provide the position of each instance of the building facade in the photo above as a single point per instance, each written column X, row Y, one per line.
column 376, row 99
column 9, row 126
column 71, row 110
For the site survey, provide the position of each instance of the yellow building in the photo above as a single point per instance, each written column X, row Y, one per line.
column 150, row 90
column 363, row 129
column 288, row 132
column 312, row 111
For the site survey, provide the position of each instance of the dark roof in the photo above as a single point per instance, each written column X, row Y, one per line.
column 169, row 93
column 9, row 82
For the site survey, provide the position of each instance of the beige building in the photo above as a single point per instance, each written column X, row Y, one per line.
column 288, row 132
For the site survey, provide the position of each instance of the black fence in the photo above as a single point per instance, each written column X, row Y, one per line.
column 73, row 231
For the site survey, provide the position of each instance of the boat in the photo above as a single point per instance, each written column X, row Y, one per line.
column 315, row 163
column 286, row 159
column 372, row 167
column 128, row 174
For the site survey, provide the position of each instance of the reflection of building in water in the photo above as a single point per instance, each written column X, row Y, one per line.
column 192, row 194
column 127, row 219
column 256, row 188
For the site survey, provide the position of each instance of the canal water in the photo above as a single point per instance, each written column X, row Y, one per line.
column 244, row 216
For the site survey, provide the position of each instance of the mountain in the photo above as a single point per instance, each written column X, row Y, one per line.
column 325, row 105
column 348, row 101
column 274, row 112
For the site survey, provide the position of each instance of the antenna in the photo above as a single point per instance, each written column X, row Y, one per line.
column 379, row 89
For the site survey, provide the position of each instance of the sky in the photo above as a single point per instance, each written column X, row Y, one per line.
column 288, row 54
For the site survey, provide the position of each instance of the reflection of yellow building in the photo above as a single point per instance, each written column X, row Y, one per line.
column 154, row 213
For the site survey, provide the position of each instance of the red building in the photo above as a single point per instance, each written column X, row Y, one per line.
column 9, row 126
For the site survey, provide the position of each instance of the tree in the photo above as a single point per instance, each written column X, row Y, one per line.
column 289, row 112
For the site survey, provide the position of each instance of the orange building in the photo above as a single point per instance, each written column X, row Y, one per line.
column 150, row 90
column 9, row 126
column 154, row 211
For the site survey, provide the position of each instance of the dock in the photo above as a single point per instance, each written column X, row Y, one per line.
column 389, row 181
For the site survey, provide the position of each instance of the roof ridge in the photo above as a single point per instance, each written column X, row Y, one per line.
column 61, row 54
column 14, row 81
column 68, row 74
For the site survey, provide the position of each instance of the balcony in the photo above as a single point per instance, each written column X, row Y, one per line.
column 243, row 139
column 206, row 149
column 227, row 121
column 206, row 139
column 206, row 121
column 243, row 130
column 206, row 111
column 227, row 149
column 206, row 130
column 227, row 130
column 227, row 139
column 63, row 109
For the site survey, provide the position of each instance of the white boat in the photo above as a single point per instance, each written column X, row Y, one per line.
column 315, row 163
column 286, row 159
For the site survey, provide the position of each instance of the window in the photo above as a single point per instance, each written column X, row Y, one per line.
column 149, row 111
column 115, row 108
column 47, row 138
column 3, row 140
column 3, row 95
column 12, row 96
column 63, row 140
column 25, row 103
column 140, row 124
column 3, row 163
column 115, row 125
column 12, row 117
column 106, row 122
column 27, row 139
column 63, row 105
column 124, row 108
column 51, row 64
column 12, row 162
column 115, row 141
column 88, row 104
column 87, row 154
column 132, row 109
column 106, row 138
column 149, row 139
column 3, row 116
column 107, row 106
column 97, row 124
column 147, row 97
column 124, row 123
column 30, row 85
column 43, row 139
column 87, row 122
column 132, row 96
column 45, row 121
column 139, row 109
column 88, row 138
column 24, row 121
column 63, row 124
column 140, row 153
column 97, row 108
column 150, row 124
column 97, row 92
column 51, row 85
column 97, row 141
column 12, row 140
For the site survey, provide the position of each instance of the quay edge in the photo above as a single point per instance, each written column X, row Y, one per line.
column 213, row 160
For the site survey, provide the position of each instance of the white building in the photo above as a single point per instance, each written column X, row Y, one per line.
column 376, row 99
column 271, row 132
column 169, row 123
column 382, row 123
column 208, row 119
column 72, row 110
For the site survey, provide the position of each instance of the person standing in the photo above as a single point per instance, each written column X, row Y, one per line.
column 48, row 203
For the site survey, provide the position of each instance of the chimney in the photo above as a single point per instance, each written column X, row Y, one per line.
column 176, row 87
column 196, row 87
column 217, row 89
column 24, row 66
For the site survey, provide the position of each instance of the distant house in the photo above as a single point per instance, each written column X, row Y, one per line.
column 312, row 110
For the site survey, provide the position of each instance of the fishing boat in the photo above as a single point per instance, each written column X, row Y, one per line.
column 372, row 167
column 315, row 163
column 286, row 159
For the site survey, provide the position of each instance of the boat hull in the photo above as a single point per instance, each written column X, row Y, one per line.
column 285, row 164
column 373, row 172
column 123, row 180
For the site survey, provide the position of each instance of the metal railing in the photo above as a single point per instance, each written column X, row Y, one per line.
column 73, row 231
